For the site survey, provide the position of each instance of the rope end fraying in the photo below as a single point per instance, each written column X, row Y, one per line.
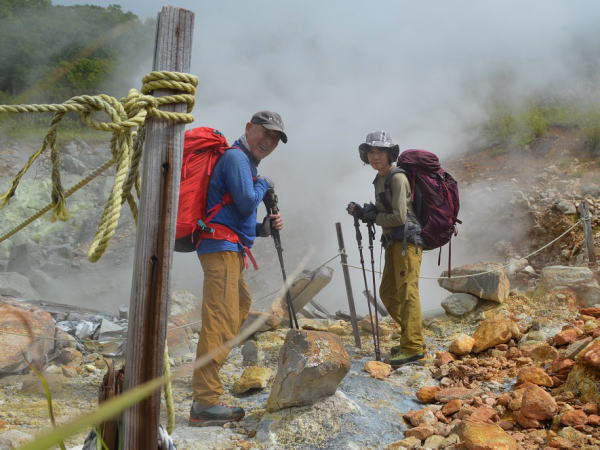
column 5, row 199
column 60, row 212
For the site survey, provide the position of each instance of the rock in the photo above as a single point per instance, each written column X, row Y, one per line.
column 451, row 407
column 434, row 442
column 493, row 286
column 483, row 414
column 23, row 321
column 312, row 424
column 70, row 356
column 593, row 420
column 462, row 345
column 459, row 304
column 69, row 372
column 591, row 354
column 110, row 330
column 580, row 279
column 526, row 422
column 566, row 207
column 567, row 336
column 443, row 358
column 14, row 439
column 571, row 434
column 421, row 432
column 592, row 311
column 494, row 331
column 573, row 418
column 252, row 378
column 179, row 337
column 378, row 369
column 14, row 284
column 485, row 436
column 539, row 351
column 573, row 349
column 308, row 284
column 407, row 443
column 420, row 417
column 534, row 375
column 269, row 321
column 451, row 393
column 538, row 404
column 311, row 366
column 252, row 355
column 427, row 394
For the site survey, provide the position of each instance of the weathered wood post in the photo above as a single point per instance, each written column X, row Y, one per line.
column 586, row 223
column 148, row 308
column 344, row 258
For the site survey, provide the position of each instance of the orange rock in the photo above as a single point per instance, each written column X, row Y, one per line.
column 593, row 420
column 462, row 345
column 594, row 312
column 559, row 365
column 447, row 394
column 590, row 408
column 538, row 404
column 573, row 418
column 452, row 406
column 539, row 352
column 421, row 432
column 591, row 354
column 442, row 358
column 483, row 414
column 494, row 331
column 534, row 375
column 526, row 422
column 485, row 436
column 378, row 369
column 567, row 336
column 420, row 417
column 427, row 394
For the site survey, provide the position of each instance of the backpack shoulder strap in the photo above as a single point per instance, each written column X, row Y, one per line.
column 390, row 175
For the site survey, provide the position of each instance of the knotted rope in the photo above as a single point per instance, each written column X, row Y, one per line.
column 126, row 123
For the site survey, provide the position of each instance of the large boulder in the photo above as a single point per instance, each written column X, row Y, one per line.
column 18, row 323
column 493, row 286
column 485, row 436
column 494, row 331
column 459, row 304
column 580, row 280
column 14, row 284
column 311, row 366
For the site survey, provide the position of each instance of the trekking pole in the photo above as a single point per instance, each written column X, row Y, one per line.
column 374, row 331
column 371, row 228
column 270, row 200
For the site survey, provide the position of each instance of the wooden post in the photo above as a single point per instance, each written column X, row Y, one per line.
column 148, row 308
column 344, row 258
column 586, row 223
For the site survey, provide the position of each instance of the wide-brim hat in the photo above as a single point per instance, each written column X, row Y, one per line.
column 380, row 139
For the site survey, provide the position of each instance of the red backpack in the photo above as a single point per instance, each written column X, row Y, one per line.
column 436, row 193
column 202, row 148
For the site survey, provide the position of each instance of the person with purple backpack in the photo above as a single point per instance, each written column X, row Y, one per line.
column 395, row 213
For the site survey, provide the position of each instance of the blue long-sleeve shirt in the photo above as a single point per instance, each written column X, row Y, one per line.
column 235, row 173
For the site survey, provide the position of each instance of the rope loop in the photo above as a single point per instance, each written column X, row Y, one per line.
column 126, row 119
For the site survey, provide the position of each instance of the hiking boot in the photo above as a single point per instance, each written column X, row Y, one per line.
column 213, row 416
column 401, row 358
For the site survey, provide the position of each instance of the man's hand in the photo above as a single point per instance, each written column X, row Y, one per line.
column 354, row 209
column 276, row 221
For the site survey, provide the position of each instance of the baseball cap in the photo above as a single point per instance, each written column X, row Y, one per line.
column 271, row 121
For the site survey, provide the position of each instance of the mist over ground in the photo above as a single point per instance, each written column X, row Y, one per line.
column 337, row 70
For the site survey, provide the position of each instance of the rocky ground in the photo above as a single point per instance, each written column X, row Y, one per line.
column 513, row 362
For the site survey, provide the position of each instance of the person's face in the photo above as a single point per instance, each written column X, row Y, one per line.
column 261, row 141
column 379, row 158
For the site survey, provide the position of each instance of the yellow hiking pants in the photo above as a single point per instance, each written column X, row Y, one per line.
column 399, row 292
column 225, row 305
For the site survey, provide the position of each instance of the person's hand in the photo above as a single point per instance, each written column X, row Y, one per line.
column 354, row 209
column 276, row 221
column 369, row 212
column 264, row 229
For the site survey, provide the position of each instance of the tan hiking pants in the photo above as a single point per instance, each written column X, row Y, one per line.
column 225, row 305
column 399, row 292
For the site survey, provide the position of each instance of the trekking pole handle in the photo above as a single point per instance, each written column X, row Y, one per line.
column 357, row 228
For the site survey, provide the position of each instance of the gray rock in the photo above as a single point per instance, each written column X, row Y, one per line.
column 73, row 165
column 16, row 285
column 567, row 276
column 193, row 438
column 459, row 304
column 252, row 354
column 566, row 207
column 493, row 283
column 42, row 282
column 311, row 366
column 573, row 349
column 109, row 329
column 24, row 257
column 310, row 425
column 12, row 439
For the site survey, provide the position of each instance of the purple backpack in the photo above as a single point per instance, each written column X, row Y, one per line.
column 434, row 193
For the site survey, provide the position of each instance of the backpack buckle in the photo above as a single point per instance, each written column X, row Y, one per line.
column 205, row 227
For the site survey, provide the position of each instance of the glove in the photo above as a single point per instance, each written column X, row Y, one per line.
column 369, row 212
column 264, row 229
column 355, row 210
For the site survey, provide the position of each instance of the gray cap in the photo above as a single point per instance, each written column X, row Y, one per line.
column 381, row 139
column 271, row 121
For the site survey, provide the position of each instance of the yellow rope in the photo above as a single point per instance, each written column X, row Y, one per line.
column 127, row 118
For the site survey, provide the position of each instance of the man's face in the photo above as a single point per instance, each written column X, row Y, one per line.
column 261, row 141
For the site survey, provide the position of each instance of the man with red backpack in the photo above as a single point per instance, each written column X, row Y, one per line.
column 222, row 249
column 394, row 212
